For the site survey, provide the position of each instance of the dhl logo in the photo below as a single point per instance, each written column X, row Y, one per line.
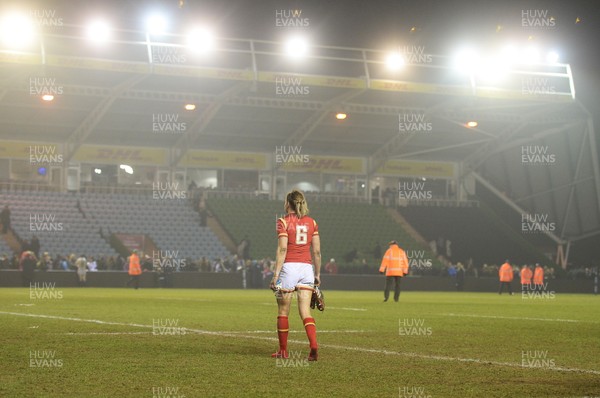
column 119, row 154
column 339, row 82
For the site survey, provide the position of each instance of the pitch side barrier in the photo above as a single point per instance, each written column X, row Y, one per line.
column 211, row 280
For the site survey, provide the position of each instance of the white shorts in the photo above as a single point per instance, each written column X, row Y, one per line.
column 293, row 275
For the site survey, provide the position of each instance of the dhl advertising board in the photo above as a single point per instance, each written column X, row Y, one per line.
column 225, row 160
column 407, row 168
column 35, row 152
column 322, row 164
column 121, row 155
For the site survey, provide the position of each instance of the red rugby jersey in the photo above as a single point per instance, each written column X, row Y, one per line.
column 299, row 232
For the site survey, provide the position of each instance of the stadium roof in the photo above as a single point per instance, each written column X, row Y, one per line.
column 250, row 97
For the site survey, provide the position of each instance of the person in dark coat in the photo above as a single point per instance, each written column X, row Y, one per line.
column 5, row 219
column 27, row 265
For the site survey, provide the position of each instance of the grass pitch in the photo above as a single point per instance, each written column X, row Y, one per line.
column 93, row 342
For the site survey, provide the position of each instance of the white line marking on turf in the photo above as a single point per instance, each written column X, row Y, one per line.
column 331, row 308
column 334, row 346
column 101, row 333
column 291, row 331
column 518, row 318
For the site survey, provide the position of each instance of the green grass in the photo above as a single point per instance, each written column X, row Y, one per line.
column 363, row 355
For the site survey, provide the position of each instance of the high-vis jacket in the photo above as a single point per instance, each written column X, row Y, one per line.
column 526, row 275
column 134, row 265
column 538, row 276
column 395, row 262
column 505, row 273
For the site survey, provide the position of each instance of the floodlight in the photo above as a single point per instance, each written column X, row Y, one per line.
column 98, row 31
column 467, row 60
column 341, row 116
column 48, row 97
column 472, row 124
column 296, row 47
column 190, row 107
column 395, row 61
column 16, row 30
column 530, row 55
column 552, row 57
column 156, row 24
column 98, row 171
column 201, row 40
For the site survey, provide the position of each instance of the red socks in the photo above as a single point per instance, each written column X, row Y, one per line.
column 283, row 328
column 311, row 332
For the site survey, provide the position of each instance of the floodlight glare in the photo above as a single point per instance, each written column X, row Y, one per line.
column 472, row 124
column 190, row 107
column 201, row 40
column 47, row 97
column 530, row 55
column 156, row 25
column 296, row 47
column 394, row 61
column 552, row 57
column 98, row 32
column 98, row 171
column 16, row 30
column 466, row 60
column 341, row 116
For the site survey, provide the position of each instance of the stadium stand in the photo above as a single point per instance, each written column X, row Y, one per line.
column 172, row 224
column 54, row 218
column 475, row 232
column 343, row 227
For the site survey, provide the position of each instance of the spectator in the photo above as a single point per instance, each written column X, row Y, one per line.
column 5, row 219
column 82, row 265
column 460, row 277
column 331, row 267
column 35, row 245
column 27, row 265
column 92, row 265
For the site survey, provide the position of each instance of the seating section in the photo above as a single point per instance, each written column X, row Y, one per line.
column 4, row 249
column 474, row 233
column 343, row 227
column 54, row 218
column 171, row 223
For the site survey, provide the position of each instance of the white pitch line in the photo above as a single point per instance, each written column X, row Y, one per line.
column 334, row 346
column 332, row 308
column 519, row 318
column 101, row 333
column 291, row 331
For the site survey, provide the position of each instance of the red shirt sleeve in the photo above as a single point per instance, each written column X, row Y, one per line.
column 281, row 227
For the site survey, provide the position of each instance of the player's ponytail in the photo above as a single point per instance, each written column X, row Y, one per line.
column 297, row 202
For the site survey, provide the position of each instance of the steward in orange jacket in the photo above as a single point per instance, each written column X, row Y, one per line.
column 505, row 273
column 135, row 269
column 538, row 277
column 395, row 266
column 526, row 275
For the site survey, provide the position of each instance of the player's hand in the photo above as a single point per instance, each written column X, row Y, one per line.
column 381, row 272
column 317, row 281
column 272, row 284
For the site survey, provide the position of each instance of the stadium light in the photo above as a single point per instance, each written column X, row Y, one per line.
column 48, row 97
column 395, row 61
column 98, row 32
column 201, row 40
column 16, row 30
column 466, row 60
column 190, row 107
column 552, row 57
column 126, row 168
column 156, row 24
column 296, row 47
column 472, row 124
column 530, row 55
column 341, row 116
column 98, row 171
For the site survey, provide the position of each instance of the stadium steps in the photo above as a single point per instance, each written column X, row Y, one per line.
column 407, row 227
column 215, row 226
column 12, row 241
